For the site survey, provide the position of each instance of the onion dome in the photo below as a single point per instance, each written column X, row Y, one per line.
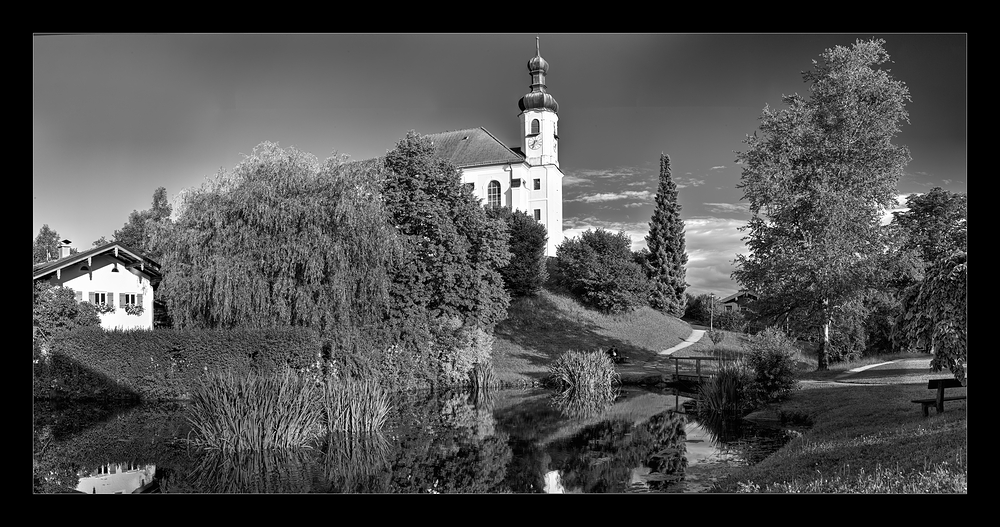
column 538, row 99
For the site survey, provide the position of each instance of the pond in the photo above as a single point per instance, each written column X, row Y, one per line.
column 507, row 441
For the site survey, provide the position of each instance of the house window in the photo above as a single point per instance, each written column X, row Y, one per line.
column 100, row 298
column 515, row 183
column 538, row 184
column 538, row 214
column 534, row 126
column 493, row 194
column 470, row 186
column 728, row 307
column 128, row 299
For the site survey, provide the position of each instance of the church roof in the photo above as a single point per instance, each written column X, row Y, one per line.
column 472, row 147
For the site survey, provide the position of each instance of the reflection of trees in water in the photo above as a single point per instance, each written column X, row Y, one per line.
column 602, row 457
column 735, row 436
column 447, row 444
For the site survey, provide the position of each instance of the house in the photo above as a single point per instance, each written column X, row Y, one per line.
column 526, row 177
column 738, row 301
column 119, row 279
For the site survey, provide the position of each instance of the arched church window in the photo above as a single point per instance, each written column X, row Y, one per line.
column 493, row 194
column 534, row 126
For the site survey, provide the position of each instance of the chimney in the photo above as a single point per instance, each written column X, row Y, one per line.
column 64, row 248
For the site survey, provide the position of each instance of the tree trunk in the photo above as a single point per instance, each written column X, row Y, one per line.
column 822, row 357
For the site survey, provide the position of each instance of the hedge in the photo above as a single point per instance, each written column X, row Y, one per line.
column 159, row 364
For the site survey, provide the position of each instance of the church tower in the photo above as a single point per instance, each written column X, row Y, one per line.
column 539, row 117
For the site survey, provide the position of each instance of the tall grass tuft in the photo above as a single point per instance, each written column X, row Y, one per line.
column 587, row 383
column 583, row 371
column 730, row 392
column 354, row 406
column 254, row 412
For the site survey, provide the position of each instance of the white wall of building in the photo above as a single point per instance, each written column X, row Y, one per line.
column 101, row 278
column 547, row 199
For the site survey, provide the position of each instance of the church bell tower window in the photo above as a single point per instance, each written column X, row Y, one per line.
column 534, row 127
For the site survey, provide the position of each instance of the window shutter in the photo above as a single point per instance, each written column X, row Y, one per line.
column 92, row 300
column 121, row 299
column 138, row 299
column 111, row 299
column 79, row 295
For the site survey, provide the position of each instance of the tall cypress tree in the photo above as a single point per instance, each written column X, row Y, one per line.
column 667, row 257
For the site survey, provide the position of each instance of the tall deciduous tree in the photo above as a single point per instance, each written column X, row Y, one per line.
column 818, row 177
column 935, row 223
column 45, row 246
column 934, row 311
column 138, row 232
column 667, row 258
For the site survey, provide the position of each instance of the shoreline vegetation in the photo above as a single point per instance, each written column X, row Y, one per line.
column 863, row 437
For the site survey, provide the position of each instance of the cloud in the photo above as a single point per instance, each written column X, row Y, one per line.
column 689, row 182
column 718, row 208
column 720, row 167
column 614, row 196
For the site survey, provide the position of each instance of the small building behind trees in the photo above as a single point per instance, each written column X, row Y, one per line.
column 119, row 280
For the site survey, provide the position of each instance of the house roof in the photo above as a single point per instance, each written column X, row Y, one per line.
column 472, row 147
column 128, row 257
column 736, row 296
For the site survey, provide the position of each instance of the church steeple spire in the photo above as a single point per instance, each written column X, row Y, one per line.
column 538, row 98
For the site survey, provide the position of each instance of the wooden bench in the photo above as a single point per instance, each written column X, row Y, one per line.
column 938, row 402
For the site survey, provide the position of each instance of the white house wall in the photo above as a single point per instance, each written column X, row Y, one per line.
column 101, row 279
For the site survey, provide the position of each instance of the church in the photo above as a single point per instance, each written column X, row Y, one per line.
column 526, row 177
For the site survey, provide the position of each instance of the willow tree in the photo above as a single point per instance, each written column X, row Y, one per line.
column 282, row 240
column 818, row 177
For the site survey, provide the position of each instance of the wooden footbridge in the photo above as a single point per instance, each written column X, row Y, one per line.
column 684, row 373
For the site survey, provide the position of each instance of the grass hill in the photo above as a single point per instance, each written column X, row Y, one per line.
column 538, row 329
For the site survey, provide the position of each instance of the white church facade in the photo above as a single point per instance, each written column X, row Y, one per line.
column 525, row 178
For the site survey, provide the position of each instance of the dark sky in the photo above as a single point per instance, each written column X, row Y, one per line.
column 116, row 116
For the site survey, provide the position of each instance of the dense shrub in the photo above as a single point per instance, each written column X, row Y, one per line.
column 730, row 321
column 599, row 268
column 54, row 310
column 527, row 270
column 460, row 348
column 168, row 364
column 771, row 357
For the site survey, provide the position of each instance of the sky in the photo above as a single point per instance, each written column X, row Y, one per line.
column 116, row 116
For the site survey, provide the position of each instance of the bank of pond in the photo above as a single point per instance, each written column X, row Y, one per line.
column 502, row 441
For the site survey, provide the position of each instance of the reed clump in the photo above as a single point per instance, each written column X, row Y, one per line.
column 587, row 382
column 354, row 406
column 254, row 412
column 731, row 390
column 583, row 371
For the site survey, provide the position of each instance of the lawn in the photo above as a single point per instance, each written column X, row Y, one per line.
column 538, row 329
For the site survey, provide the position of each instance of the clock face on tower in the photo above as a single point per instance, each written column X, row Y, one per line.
column 533, row 143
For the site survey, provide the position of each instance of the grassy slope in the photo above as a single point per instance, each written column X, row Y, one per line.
column 538, row 329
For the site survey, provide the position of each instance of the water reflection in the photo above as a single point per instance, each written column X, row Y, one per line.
column 118, row 478
column 451, row 442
